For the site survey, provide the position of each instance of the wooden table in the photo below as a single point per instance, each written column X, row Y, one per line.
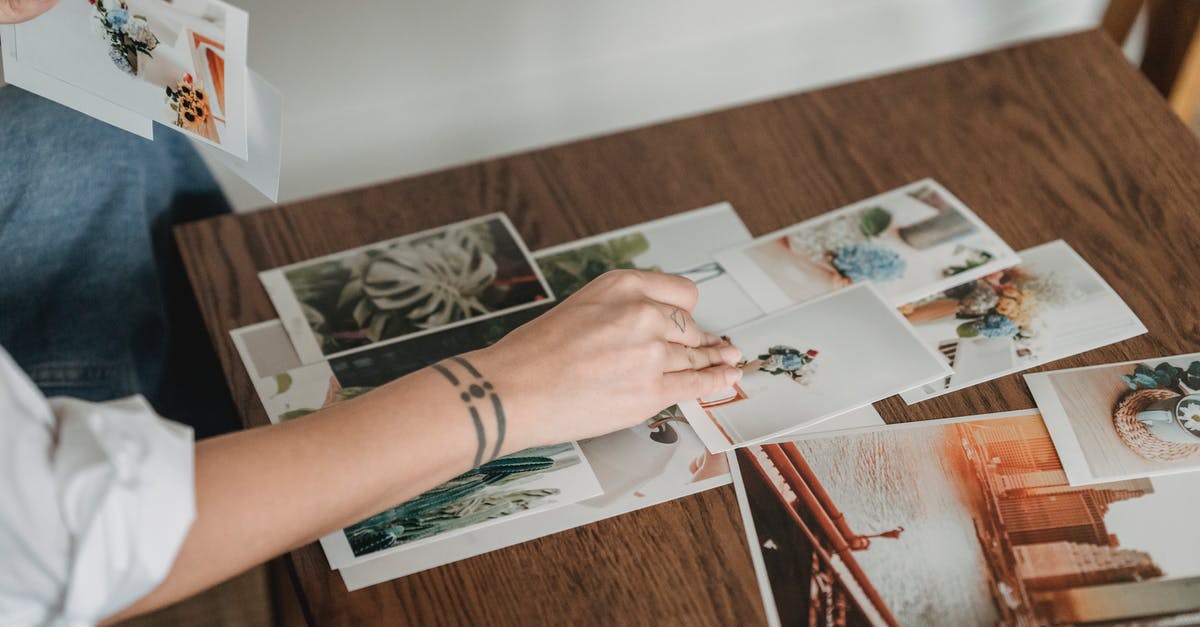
column 1058, row 138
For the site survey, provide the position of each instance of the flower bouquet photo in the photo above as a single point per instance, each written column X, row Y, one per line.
column 785, row 360
column 1052, row 305
column 128, row 35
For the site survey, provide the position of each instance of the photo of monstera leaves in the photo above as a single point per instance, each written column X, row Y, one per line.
column 404, row 286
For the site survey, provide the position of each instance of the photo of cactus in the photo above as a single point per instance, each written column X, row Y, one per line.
column 1125, row 420
column 910, row 242
column 967, row 521
column 403, row 287
column 181, row 63
column 1050, row 306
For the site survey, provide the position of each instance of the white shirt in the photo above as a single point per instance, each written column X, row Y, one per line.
column 95, row 501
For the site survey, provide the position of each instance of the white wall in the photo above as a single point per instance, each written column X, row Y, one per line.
column 380, row 89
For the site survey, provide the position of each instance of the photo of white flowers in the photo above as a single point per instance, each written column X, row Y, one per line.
column 399, row 288
column 805, row 365
column 909, row 243
column 1050, row 306
column 178, row 62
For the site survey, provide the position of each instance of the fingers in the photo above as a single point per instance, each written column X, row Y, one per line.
column 688, row 385
column 668, row 289
column 686, row 358
column 672, row 290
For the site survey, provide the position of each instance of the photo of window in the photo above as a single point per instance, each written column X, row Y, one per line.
column 962, row 522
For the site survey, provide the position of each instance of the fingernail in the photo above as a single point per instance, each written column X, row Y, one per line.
column 731, row 354
column 733, row 375
column 711, row 340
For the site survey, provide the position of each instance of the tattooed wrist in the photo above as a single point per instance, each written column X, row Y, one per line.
column 482, row 402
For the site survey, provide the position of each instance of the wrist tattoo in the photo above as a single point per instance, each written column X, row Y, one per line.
column 479, row 395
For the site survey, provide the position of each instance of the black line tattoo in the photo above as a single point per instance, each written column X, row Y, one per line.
column 472, row 391
column 677, row 318
column 446, row 373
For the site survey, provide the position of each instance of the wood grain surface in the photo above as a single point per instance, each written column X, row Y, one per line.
column 1058, row 138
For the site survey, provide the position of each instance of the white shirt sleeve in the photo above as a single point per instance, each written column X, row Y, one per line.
column 95, row 501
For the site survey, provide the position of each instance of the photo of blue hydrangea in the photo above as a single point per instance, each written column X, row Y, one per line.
column 863, row 261
column 128, row 35
column 909, row 243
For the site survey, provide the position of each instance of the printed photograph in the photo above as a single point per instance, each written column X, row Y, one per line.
column 681, row 244
column 265, row 349
column 1118, row 421
column 178, row 62
column 812, row 362
column 1053, row 305
column 503, row 489
column 962, row 522
column 910, row 242
column 404, row 287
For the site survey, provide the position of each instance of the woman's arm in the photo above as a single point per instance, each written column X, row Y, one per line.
column 613, row 354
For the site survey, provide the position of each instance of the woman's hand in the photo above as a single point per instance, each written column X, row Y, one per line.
column 14, row 11
column 610, row 356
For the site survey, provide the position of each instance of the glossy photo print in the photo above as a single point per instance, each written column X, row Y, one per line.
column 1125, row 420
column 962, row 522
column 1050, row 306
column 406, row 286
column 810, row 363
column 910, row 242
column 180, row 62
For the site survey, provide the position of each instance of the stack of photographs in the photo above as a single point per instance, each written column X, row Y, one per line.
column 908, row 293
column 134, row 63
column 334, row 341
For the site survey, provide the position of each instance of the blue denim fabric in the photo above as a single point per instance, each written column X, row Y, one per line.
column 93, row 303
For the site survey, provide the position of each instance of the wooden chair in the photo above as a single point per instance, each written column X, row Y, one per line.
column 1171, row 58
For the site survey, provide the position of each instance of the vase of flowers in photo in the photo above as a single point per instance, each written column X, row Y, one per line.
column 847, row 246
column 128, row 35
column 1175, row 418
column 1001, row 305
column 785, row 361
column 192, row 108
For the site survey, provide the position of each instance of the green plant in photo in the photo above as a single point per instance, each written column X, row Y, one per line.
column 1163, row 376
column 570, row 270
column 295, row 413
column 976, row 259
column 468, row 499
column 874, row 221
column 400, row 288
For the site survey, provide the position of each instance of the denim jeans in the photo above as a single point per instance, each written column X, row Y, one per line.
column 93, row 300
